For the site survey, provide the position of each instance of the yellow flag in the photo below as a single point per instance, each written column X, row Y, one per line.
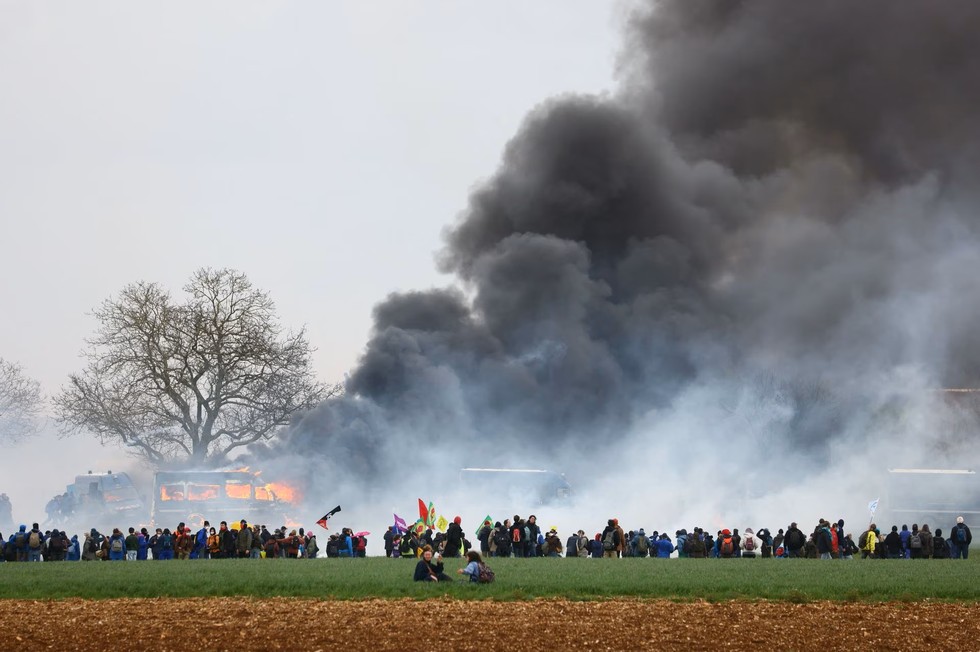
column 442, row 523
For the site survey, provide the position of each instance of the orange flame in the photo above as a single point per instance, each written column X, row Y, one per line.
column 239, row 491
column 202, row 491
column 283, row 492
column 170, row 493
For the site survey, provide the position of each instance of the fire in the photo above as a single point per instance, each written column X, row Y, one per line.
column 171, row 493
column 283, row 492
column 244, row 469
column 240, row 491
column 202, row 491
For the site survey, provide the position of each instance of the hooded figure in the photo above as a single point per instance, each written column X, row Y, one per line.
column 454, row 538
column 74, row 549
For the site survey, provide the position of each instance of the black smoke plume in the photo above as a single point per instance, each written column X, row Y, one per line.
column 779, row 203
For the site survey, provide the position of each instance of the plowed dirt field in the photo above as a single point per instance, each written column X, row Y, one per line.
column 282, row 623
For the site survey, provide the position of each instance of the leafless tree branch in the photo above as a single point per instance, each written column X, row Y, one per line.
column 194, row 380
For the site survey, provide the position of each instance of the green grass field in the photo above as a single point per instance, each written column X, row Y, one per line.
column 517, row 579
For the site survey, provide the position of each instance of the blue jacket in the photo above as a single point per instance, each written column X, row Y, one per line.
column 681, row 540
column 74, row 550
column 346, row 548
column 664, row 548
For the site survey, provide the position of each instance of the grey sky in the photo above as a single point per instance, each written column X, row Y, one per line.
column 320, row 147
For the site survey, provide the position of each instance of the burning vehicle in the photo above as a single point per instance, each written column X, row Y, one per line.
column 98, row 498
column 193, row 496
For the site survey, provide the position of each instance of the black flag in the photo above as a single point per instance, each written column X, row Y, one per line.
column 323, row 521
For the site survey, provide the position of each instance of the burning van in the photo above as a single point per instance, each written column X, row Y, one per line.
column 193, row 496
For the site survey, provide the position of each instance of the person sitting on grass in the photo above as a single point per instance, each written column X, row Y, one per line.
column 472, row 568
column 429, row 570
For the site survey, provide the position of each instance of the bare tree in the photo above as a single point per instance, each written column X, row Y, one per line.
column 20, row 403
column 194, row 380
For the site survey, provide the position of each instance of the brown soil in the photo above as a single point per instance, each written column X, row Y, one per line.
column 547, row 625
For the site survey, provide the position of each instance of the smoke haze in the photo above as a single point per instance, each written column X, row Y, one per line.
column 726, row 293
column 755, row 261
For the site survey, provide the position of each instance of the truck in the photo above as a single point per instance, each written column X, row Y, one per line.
column 98, row 499
column 193, row 496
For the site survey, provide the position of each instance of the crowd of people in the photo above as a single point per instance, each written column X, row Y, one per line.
column 517, row 537
column 240, row 540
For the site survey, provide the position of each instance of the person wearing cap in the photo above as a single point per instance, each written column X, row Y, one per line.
column 726, row 544
column 454, row 538
column 961, row 537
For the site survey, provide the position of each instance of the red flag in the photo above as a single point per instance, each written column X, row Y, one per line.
column 423, row 511
column 323, row 521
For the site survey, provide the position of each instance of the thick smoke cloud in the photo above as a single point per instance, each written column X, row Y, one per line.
column 767, row 240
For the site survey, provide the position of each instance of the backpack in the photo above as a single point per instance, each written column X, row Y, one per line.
column 517, row 535
column 116, row 545
column 502, row 538
column 749, row 543
column 34, row 540
column 863, row 540
column 642, row 545
column 167, row 542
column 794, row 539
column 727, row 546
column 609, row 540
column 20, row 540
column 915, row 541
column 486, row 574
column 694, row 545
column 960, row 534
column 56, row 544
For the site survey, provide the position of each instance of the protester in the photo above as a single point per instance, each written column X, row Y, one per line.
column 472, row 568
column 430, row 569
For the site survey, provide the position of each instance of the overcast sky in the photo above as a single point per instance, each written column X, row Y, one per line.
column 320, row 147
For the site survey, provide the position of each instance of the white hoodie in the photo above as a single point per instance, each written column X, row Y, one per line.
column 756, row 546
